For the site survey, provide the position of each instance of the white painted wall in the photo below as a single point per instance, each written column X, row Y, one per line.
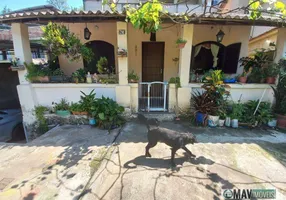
column 248, row 91
column 32, row 95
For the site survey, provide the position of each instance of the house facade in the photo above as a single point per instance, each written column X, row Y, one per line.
column 154, row 61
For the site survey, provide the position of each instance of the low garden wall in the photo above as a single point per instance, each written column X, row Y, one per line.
column 244, row 91
column 45, row 94
column 31, row 95
column 249, row 91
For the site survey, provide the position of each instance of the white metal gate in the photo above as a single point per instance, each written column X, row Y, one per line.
column 153, row 96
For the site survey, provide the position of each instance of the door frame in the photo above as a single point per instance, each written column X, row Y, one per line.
column 163, row 59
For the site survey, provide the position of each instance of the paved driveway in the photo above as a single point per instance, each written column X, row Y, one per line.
column 226, row 158
column 56, row 165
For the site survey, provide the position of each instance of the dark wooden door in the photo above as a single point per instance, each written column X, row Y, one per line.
column 152, row 61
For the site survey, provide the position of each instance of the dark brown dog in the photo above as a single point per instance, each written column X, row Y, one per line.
column 174, row 139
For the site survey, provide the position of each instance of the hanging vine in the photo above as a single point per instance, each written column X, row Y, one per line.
column 59, row 40
column 148, row 16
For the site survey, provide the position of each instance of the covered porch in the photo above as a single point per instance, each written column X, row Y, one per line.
column 158, row 60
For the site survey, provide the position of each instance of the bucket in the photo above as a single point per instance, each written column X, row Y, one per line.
column 200, row 117
column 92, row 121
column 221, row 122
column 234, row 123
column 227, row 122
column 272, row 123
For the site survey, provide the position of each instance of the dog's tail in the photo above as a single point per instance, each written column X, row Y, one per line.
column 143, row 120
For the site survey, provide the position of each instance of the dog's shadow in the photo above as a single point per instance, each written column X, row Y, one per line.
column 165, row 163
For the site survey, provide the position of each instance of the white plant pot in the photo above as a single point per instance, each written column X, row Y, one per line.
column 221, row 122
column 227, row 122
column 234, row 123
column 213, row 120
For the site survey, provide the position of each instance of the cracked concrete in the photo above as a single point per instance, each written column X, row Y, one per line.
column 59, row 165
column 53, row 166
column 226, row 158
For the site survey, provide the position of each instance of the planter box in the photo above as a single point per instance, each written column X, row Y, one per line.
column 18, row 68
column 63, row 113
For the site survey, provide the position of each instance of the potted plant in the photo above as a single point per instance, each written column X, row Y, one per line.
column 271, row 72
column 121, row 52
column 15, row 64
column 62, row 108
column 222, row 117
column 76, row 109
column 57, row 76
column 237, row 110
column 176, row 81
column 243, row 77
column 37, row 73
column 254, row 65
column 280, row 97
column 133, row 77
column 181, row 43
column 87, row 101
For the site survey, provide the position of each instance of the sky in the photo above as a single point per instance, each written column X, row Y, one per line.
column 19, row 4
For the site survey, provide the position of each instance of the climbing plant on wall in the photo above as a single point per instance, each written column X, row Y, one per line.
column 59, row 40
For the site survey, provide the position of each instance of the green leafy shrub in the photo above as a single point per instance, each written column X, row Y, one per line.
column 59, row 40
column 58, row 72
column 262, row 115
column 102, row 66
column 107, row 112
column 280, row 90
column 80, row 74
column 76, row 107
column 42, row 125
column 34, row 71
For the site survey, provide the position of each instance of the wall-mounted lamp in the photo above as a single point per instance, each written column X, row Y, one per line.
column 219, row 36
column 87, row 33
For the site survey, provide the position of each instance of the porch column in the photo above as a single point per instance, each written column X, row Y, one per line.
column 22, row 51
column 184, row 93
column 123, row 90
column 280, row 44
column 22, row 47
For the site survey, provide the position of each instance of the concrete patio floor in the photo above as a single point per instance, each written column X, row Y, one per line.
column 56, row 165
column 226, row 158
column 60, row 164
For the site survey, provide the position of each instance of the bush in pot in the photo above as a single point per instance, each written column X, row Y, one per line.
column 57, row 76
column 133, row 77
column 62, row 108
column 87, row 101
column 181, row 43
column 237, row 110
column 271, row 72
column 37, row 73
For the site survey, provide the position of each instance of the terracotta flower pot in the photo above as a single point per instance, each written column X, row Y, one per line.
column 281, row 121
column 43, row 79
column 242, row 79
column 270, row 80
column 181, row 45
